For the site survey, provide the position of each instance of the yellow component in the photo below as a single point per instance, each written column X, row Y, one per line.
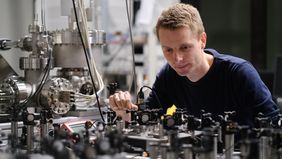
column 171, row 110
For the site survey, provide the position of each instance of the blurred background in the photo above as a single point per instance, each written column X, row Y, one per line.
column 250, row 29
column 57, row 74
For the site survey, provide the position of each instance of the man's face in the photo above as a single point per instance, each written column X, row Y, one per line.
column 182, row 50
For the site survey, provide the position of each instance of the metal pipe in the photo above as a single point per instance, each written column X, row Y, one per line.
column 44, row 130
column 6, row 44
column 264, row 147
column 187, row 149
column 214, row 152
column 43, row 14
column 171, row 155
column 229, row 145
column 120, row 125
column 14, row 133
column 153, row 150
column 30, row 135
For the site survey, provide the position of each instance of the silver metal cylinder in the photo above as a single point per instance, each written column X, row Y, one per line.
column 229, row 146
column 34, row 28
column 161, row 130
column 30, row 135
column 171, row 155
column 43, row 131
column 264, row 147
column 153, row 150
column 187, row 150
column 63, row 52
column 120, row 125
column 209, row 151
column 214, row 152
column 33, row 63
column 163, row 151
column 14, row 132
column 21, row 90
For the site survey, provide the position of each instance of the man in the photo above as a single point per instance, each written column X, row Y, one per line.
column 198, row 79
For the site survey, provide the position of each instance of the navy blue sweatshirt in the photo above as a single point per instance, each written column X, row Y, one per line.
column 231, row 84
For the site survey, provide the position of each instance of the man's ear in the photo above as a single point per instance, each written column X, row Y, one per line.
column 203, row 39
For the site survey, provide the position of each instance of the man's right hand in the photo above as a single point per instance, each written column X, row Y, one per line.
column 120, row 102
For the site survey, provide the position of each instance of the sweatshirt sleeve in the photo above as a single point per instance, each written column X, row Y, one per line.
column 252, row 92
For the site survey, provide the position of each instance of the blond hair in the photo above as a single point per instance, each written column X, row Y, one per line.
column 180, row 15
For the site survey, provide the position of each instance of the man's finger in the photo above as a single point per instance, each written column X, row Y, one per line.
column 134, row 107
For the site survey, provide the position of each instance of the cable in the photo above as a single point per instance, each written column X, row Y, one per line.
column 87, row 61
column 155, row 94
column 90, row 59
column 134, row 81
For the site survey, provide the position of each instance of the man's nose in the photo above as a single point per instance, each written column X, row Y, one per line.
column 178, row 56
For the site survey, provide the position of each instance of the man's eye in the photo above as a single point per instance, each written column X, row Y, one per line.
column 168, row 50
column 185, row 48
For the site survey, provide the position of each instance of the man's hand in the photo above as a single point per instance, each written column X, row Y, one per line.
column 120, row 102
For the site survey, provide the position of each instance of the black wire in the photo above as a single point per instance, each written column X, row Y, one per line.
column 155, row 94
column 87, row 60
